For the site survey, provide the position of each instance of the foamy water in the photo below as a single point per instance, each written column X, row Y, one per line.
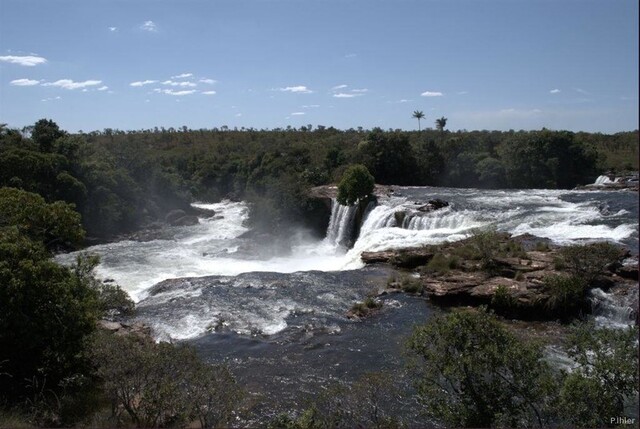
column 214, row 248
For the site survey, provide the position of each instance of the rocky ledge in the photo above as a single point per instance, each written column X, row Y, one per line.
column 513, row 278
column 331, row 191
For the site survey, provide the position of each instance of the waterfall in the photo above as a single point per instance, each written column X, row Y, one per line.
column 604, row 180
column 341, row 224
column 614, row 310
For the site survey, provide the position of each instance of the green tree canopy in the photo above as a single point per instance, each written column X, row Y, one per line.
column 356, row 184
column 471, row 372
column 56, row 224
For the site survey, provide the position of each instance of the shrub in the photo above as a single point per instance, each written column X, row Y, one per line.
column 470, row 371
column 567, row 294
column 591, row 260
column 356, row 184
column 442, row 264
column 606, row 376
column 162, row 384
column 502, row 301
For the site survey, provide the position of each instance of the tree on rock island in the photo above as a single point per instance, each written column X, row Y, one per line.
column 356, row 184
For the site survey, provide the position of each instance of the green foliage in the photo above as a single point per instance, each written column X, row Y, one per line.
column 356, row 184
column 502, row 301
column 365, row 403
column 567, row 294
column 56, row 224
column 389, row 157
column 441, row 264
column 46, row 312
column 606, row 377
column 159, row 385
column 589, row 261
column 471, row 372
column 45, row 133
column 363, row 309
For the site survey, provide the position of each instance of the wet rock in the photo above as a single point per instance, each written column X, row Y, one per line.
column 174, row 216
column 404, row 258
column 433, row 205
column 187, row 220
column 122, row 328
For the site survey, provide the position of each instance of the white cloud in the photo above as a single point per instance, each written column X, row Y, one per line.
column 432, row 94
column 70, row 84
column 344, row 95
column 310, row 106
column 297, row 114
column 463, row 92
column 351, row 55
column 238, row 115
column 209, row 92
column 173, row 92
column 51, row 99
column 404, row 100
column 363, row 90
column 182, row 76
column 27, row 60
column 554, row 91
column 582, row 91
column 209, row 81
column 113, row 29
column 149, row 26
column 337, row 87
column 298, row 89
column 143, row 82
column 103, row 88
column 182, row 84
column 24, row 82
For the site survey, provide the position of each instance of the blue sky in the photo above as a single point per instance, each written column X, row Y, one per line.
column 490, row 64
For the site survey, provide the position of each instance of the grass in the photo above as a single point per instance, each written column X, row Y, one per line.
column 363, row 309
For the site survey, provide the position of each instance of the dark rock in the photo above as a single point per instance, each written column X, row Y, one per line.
column 187, row 220
column 433, row 205
column 404, row 258
column 628, row 272
column 174, row 215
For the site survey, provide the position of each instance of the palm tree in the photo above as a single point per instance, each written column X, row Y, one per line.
column 441, row 123
column 418, row 114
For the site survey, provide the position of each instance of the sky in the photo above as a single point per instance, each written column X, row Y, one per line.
column 482, row 64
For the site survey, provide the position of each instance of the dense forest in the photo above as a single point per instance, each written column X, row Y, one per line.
column 122, row 180
column 59, row 191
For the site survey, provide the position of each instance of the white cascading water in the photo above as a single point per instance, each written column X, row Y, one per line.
column 614, row 311
column 341, row 224
column 604, row 180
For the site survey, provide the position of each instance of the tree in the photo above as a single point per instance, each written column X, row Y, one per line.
column 56, row 224
column 46, row 312
column 45, row 133
column 418, row 114
column 472, row 372
column 607, row 375
column 356, row 184
column 441, row 123
column 159, row 385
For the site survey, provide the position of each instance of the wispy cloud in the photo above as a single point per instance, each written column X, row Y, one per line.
column 113, row 29
column 209, row 92
column 301, row 89
column 182, row 76
column 432, row 94
column 149, row 26
column 582, row 91
column 310, row 106
column 554, row 91
column 360, row 91
column 173, row 92
column 404, row 100
column 337, row 87
column 351, row 55
column 143, row 82
column 298, row 114
column 51, row 99
column 345, row 95
column 103, row 88
column 208, row 81
column 181, row 84
column 24, row 82
column 462, row 92
column 70, row 84
column 26, row 60
column 238, row 115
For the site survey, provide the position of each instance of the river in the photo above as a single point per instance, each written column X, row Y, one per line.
column 279, row 319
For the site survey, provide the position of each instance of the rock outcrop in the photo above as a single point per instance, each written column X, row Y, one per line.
column 512, row 282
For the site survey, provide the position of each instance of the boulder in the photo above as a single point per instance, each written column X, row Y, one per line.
column 174, row 215
column 187, row 220
column 433, row 205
